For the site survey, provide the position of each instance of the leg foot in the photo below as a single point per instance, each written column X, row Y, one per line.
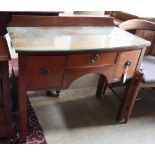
column 52, row 94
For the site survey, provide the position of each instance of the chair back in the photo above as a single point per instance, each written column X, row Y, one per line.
column 140, row 24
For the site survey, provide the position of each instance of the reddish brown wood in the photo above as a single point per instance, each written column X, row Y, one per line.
column 53, row 65
column 124, row 57
column 123, row 16
column 36, row 13
column 30, row 76
column 6, row 17
column 24, row 20
column 137, row 24
column 120, row 16
column 22, row 98
column 4, row 53
column 76, row 61
column 7, row 128
column 101, row 87
column 121, row 59
column 6, row 92
column 2, row 118
column 125, row 100
column 152, row 45
column 72, row 74
column 64, row 71
column 143, row 50
column 139, row 79
column 7, row 131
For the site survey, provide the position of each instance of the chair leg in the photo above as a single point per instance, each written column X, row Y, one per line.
column 102, row 85
column 138, row 82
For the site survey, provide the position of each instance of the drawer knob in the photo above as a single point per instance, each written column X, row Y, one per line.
column 44, row 71
column 127, row 63
column 94, row 57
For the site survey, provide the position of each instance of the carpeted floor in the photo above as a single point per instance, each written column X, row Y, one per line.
column 77, row 116
column 35, row 132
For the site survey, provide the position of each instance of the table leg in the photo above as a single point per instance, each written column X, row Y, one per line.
column 123, row 106
column 129, row 97
column 102, row 85
column 22, row 100
column 138, row 82
column 22, row 113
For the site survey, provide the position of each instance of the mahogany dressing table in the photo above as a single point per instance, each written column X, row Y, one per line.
column 53, row 53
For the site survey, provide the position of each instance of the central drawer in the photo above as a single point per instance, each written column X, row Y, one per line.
column 91, row 60
column 45, row 71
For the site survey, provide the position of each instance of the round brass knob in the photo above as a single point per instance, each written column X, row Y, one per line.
column 44, row 71
column 94, row 57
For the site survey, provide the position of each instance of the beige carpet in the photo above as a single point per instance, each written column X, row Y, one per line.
column 77, row 116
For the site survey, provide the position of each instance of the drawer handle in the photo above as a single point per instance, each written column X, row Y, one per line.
column 44, row 71
column 94, row 57
column 127, row 63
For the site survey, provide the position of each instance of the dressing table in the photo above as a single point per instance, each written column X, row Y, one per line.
column 55, row 51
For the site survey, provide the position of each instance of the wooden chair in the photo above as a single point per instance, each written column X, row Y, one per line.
column 147, row 65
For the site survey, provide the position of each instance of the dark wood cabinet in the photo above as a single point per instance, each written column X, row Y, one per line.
column 7, row 127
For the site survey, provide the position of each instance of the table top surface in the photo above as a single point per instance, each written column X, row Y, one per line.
column 56, row 39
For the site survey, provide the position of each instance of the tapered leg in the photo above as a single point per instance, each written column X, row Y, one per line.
column 14, row 82
column 22, row 99
column 129, row 97
column 102, row 85
column 123, row 106
column 22, row 112
column 134, row 96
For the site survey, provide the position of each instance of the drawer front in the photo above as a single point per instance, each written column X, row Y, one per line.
column 90, row 60
column 73, row 74
column 45, row 71
column 132, row 56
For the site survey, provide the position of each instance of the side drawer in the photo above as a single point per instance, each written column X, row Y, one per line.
column 45, row 71
column 91, row 60
column 132, row 56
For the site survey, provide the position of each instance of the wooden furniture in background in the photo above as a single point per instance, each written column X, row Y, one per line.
column 5, row 18
column 70, row 48
column 120, row 16
column 147, row 66
column 7, row 127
